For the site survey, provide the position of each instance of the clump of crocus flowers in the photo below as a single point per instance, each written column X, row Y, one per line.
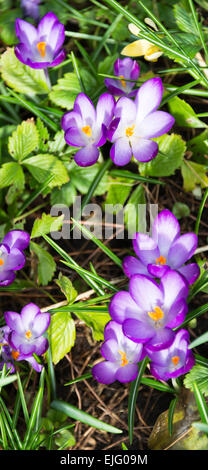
column 146, row 319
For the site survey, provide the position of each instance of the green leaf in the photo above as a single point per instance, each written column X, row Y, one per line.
column 180, row 210
column 43, row 135
column 43, row 164
column 94, row 320
column 7, row 25
column 46, row 264
column 198, row 374
column 65, row 195
column 134, row 389
column 62, row 335
column 193, row 174
column 82, row 178
column 65, row 91
column 20, row 77
column 200, row 340
column 67, row 288
column 84, row 417
column 135, row 211
column 184, row 114
column 65, row 439
column 184, row 19
column 201, row 403
column 118, row 192
column 12, row 173
column 46, row 225
column 23, row 140
column 170, row 157
column 57, row 145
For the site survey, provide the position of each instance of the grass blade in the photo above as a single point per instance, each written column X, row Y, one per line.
column 171, row 411
column 201, row 403
column 134, row 388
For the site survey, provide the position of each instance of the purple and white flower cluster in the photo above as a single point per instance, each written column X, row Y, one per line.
column 23, row 336
column 145, row 319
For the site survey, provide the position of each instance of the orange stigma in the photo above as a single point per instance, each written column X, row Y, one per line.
column 160, row 260
column 124, row 361
column 1, row 262
column 175, row 360
column 87, row 130
column 28, row 334
column 41, row 48
column 157, row 314
column 15, row 355
column 129, row 131
column 123, row 81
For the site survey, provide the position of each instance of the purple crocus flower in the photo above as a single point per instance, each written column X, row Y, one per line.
column 42, row 47
column 173, row 361
column 6, row 356
column 136, row 122
column 31, row 8
column 126, row 69
column 167, row 249
column 86, row 126
column 27, row 329
column 149, row 312
column 122, row 356
column 12, row 257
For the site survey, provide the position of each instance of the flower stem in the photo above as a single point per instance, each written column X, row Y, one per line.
column 48, row 81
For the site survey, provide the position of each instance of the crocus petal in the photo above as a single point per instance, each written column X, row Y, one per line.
column 34, row 363
column 127, row 374
column 148, row 97
column 137, row 331
column 58, row 59
column 41, row 323
column 157, row 270
column 122, row 306
column 6, row 278
column 144, row 150
column 46, row 24
column 125, row 107
column 190, row 271
column 56, row 37
column 71, row 119
column 16, row 342
column 14, row 321
column 25, row 32
column 177, row 313
column 87, row 156
column 109, row 350
column 17, row 239
column 145, row 292
column 132, row 265
column 114, row 86
column 182, row 250
column 41, row 345
column 76, row 137
column 145, row 248
column 174, row 288
column 84, row 106
column 15, row 260
column 105, row 372
column 155, row 124
column 165, row 230
column 121, row 152
column 28, row 314
column 105, row 109
column 162, row 338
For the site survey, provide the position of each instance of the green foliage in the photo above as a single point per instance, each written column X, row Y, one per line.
column 169, row 159
column 62, row 334
column 96, row 320
column 198, row 374
column 65, row 91
column 20, row 77
column 184, row 114
column 46, row 264
column 193, row 174
column 134, row 211
column 46, row 225
column 180, row 210
column 24, row 140
column 67, row 288
column 43, row 164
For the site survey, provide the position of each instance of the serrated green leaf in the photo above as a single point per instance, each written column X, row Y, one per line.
column 118, row 192
column 184, row 19
column 65, row 195
column 95, row 320
column 62, row 335
column 20, row 77
column 12, row 173
column 170, row 157
column 46, row 225
column 57, row 145
column 46, row 264
column 193, row 174
column 43, row 135
column 23, row 140
column 65, row 91
column 66, row 287
column 184, row 114
column 198, row 374
column 82, row 178
column 41, row 165
column 135, row 211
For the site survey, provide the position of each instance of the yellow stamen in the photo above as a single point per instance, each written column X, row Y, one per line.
column 87, row 130
column 1, row 262
column 123, row 81
column 28, row 334
column 129, row 131
column 160, row 260
column 124, row 361
column 175, row 360
column 15, row 355
column 41, row 48
column 157, row 314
